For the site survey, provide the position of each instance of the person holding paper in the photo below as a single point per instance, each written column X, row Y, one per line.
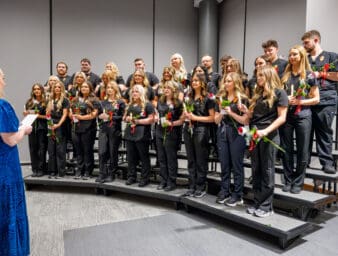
column 37, row 140
column 14, row 221
column 302, row 89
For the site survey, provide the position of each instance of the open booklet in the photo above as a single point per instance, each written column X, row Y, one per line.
column 28, row 120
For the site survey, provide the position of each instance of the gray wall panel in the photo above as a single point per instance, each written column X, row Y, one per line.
column 103, row 31
column 283, row 21
column 175, row 31
column 24, row 51
column 321, row 15
column 231, row 28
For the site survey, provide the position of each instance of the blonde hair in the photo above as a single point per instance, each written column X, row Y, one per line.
column 142, row 91
column 238, row 86
column 182, row 71
column 50, row 104
column 272, row 83
column 80, row 73
column 113, row 68
column 304, row 64
column 116, row 88
column 173, row 87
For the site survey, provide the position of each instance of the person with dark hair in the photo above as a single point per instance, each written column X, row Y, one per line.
column 223, row 63
column 214, row 77
column 325, row 67
column 86, row 68
column 260, row 61
column 202, row 71
column 140, row 65
column 199, row 111
column 56, row 114
column 61, row 70
column 270, row 48
column 111, row 112
column 296, row 80
column 83, row 112
column 37, row 140
column 139, row 116
column 14, row 228
column 267, row 112
column 168, row 134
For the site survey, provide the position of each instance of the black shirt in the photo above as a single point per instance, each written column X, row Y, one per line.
column 201, row 108
column 84, row 108
column 115, row 110
column 175, row 114
column 295, row 81
column 57, row 113
column 150, row 76
column 38, row 108
column 327, row 88
column 263, row 115
column 141, row 132
column 280, row 66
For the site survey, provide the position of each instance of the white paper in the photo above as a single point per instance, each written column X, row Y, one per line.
column 29, row 120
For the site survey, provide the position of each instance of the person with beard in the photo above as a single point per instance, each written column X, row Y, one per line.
column 325, row 67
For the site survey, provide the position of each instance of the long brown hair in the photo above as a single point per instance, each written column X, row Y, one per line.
column 30, row 101
column 272, row 83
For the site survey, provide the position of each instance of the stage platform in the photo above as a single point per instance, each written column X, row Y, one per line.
column 283, row 227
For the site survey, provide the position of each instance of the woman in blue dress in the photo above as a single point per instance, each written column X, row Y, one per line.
column 14, row 229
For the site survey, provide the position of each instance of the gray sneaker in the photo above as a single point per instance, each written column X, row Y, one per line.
column 251, row 210
column 261, row 213
column 234, row 201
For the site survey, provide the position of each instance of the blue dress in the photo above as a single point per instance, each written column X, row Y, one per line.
column 14, row 231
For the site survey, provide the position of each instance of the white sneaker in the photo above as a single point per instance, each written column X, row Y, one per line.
column 251, row 210
column 261, row 213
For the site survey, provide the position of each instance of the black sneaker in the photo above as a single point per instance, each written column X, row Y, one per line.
column 130, row 181
column 143, row 183
column 199, row 193
column 329, row 169
column 222, row 198
column 169, row 188
column 161, row 186
column 234, row 201
column 99, row 179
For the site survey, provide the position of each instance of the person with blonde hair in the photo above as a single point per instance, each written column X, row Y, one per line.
column 302, row 88
column 234, row 65
column 168, row 134
column 56, row 114
column 111, row 66
column 37, row 140
column 14, row 228
column 266, row 113
column 177, row 62
column 110, row 119
column 139, row 77
column 231, row 145
column 139, row 116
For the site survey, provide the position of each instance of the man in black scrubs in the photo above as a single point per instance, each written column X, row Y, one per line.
column 214, row 77
column 86, row 68
column 271, row 52
column 324, row 64
column 152, row 78
column 62, row 69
